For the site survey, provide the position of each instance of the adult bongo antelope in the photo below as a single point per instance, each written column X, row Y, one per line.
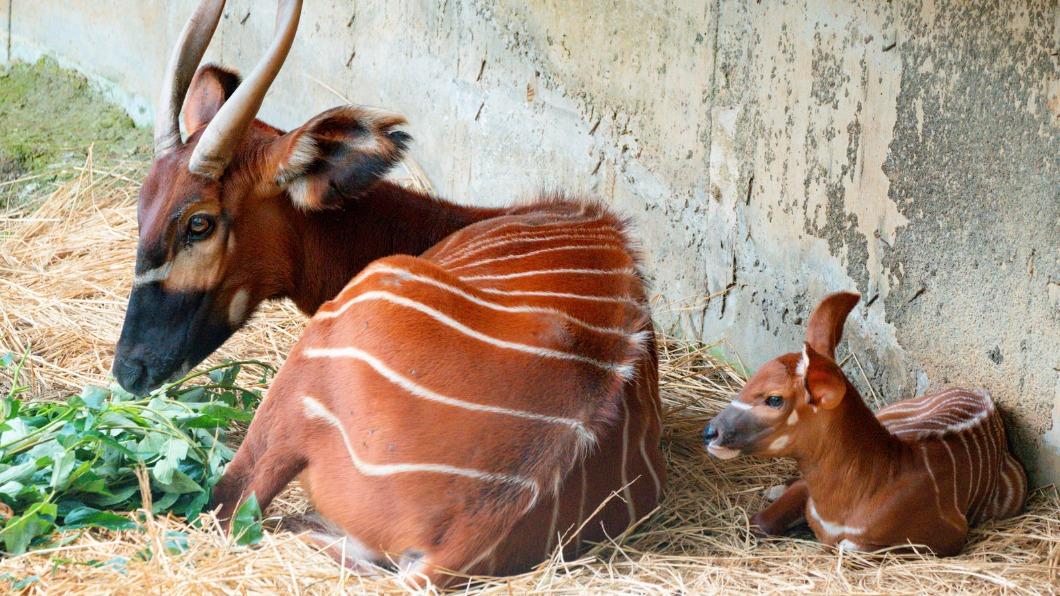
column 920, row 471
column 474, row 383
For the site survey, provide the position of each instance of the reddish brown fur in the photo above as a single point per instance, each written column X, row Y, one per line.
column 920, row 471
column 267, row 246
column 469, row 524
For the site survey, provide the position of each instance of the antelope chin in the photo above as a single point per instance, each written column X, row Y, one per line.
column 722, row 452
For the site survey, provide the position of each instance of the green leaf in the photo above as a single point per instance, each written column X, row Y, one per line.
column 162, row 505
column 62, row 467
column 20, row 531
column 172, row 452
column 179, row 483
column 116, row 496
column 20, row 473
column 175, row 542
column 11, row 489
column 94, row 397
column 84, row 517
column 246, row 523
column 24, row 583
column 13, row 430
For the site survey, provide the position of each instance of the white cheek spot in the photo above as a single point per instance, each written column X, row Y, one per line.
column 739, row 405
column 779, row 443
column 237, row 308
column 793, row 418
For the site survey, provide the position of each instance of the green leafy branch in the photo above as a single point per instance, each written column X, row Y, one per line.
column 72, row 465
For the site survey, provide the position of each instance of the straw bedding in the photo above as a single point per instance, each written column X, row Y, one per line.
column 65, row 271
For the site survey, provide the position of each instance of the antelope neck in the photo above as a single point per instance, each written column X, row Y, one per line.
column 853, row 456
column 328, row 248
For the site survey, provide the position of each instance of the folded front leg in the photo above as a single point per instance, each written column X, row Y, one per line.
column 787, row 511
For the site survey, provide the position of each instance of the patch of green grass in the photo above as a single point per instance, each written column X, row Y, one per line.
column 49, row 117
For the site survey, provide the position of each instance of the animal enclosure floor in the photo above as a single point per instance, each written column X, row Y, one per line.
column 65, row 270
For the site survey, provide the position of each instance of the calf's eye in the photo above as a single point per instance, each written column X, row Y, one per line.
column 774, row 401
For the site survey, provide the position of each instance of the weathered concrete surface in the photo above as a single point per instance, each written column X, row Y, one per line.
column 770, row 152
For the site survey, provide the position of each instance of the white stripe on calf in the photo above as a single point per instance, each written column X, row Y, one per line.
column 623, row 370
column 422, row 392
column 831, row 528
column 315, row 409
column 956, row 475
column 159, row 273
column 935, row 485
column 549, row 272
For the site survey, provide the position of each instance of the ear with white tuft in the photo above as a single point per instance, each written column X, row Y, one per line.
column 824, row 380
column 804, row 362
column 336, row 155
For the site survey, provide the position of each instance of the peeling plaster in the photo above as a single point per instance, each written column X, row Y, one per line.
column 769, row 153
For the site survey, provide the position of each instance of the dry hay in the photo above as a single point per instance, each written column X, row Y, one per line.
column 64, row 275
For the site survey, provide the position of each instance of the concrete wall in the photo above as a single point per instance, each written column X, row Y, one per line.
column 770, row 151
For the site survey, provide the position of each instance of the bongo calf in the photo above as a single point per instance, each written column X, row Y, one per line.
column 920, row 471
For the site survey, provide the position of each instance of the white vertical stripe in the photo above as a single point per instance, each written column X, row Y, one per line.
column 625, row 464
column 554, row 249
column 490, row 235
column 544, row 294
column 521, row 309
column 969, row 472
column 555, row 515
column 533, row 238
column 418, row 390
column 537, row 272
column 623, row 370
column 581, row 501
column 956, row 477
column 316, row 409
column 647, row 464
column 935, row 486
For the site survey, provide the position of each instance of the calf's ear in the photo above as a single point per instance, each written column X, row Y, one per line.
column 335, row 156
column 825, row 327
column 825, row 384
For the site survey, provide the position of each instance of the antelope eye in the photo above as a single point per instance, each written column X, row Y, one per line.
column 774, row 401
column 199, row 226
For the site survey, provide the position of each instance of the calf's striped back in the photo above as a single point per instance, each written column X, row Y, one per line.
column 961, row 437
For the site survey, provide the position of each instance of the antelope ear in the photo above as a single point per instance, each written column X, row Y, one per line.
column 825, row 328
column 210, row 88
column 825, row 383
column 336, row 155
